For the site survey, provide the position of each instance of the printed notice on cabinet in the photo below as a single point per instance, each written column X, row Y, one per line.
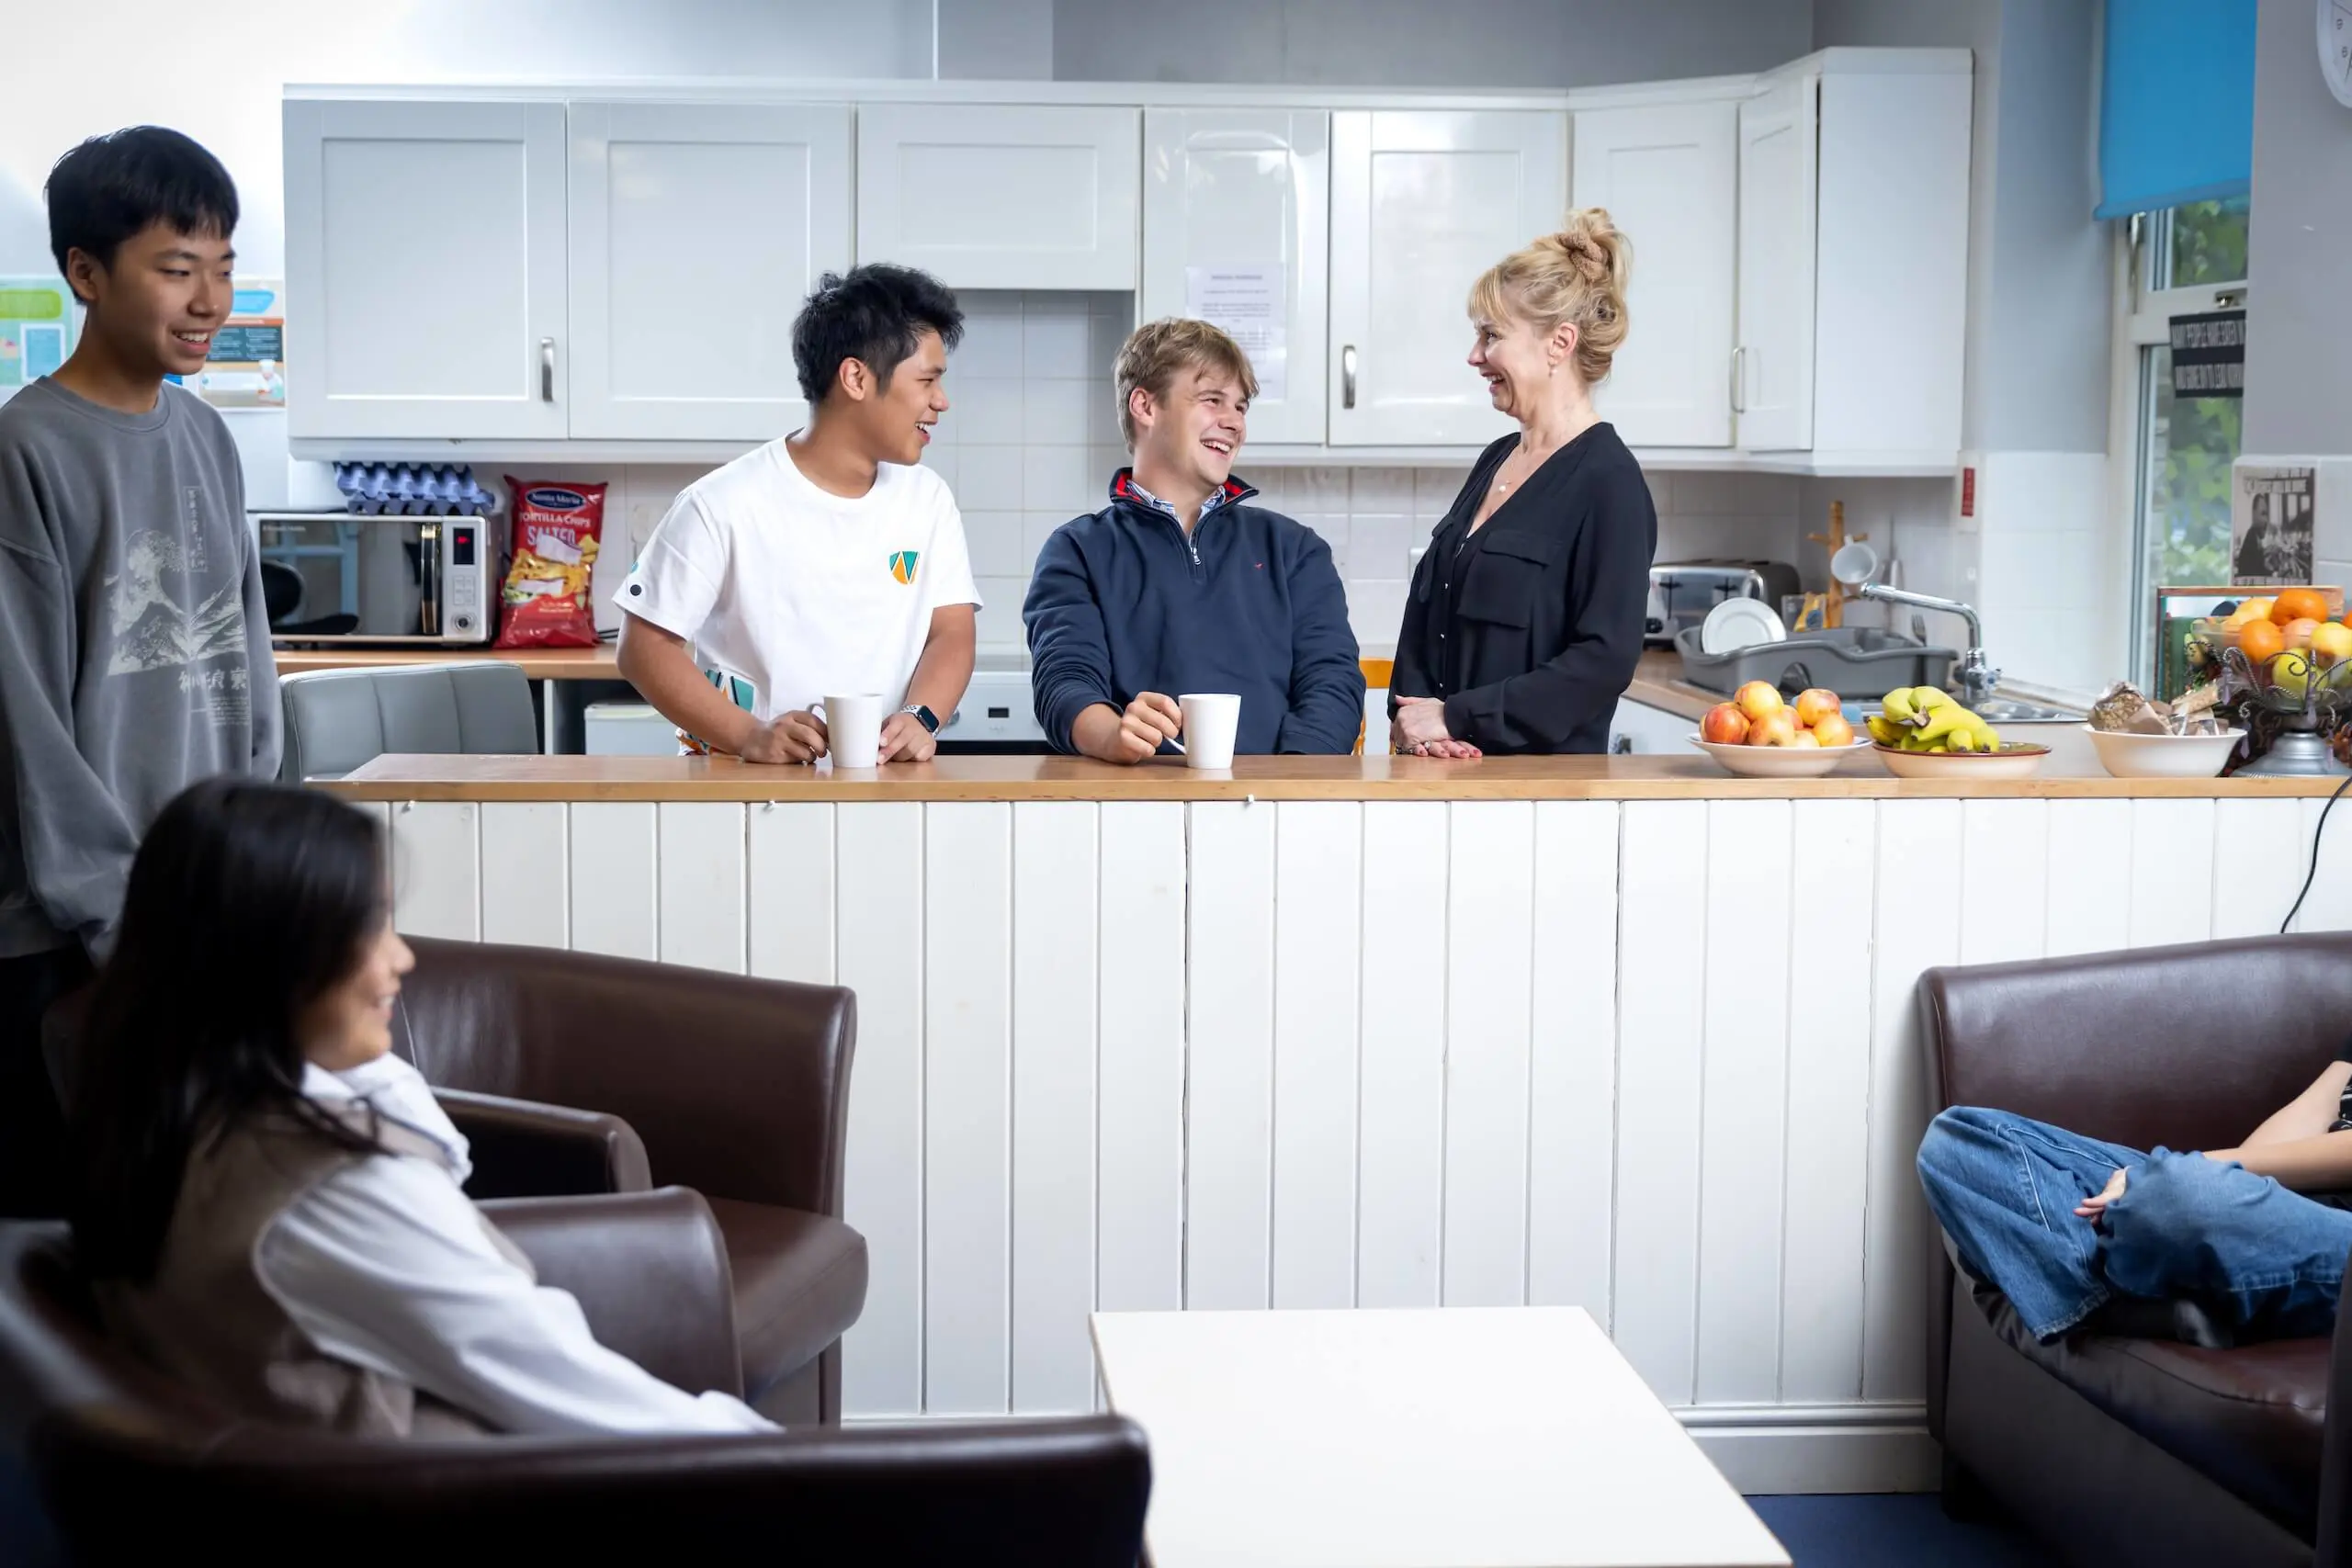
column 1247, row 303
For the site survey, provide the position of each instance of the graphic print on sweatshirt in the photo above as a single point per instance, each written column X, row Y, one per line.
column 174, row 609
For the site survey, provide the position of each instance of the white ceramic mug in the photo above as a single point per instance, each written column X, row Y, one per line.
column 1210, row 720
column 853, row 728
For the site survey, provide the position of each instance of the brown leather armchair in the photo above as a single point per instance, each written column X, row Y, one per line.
column 572, row 1074
column 736, row 1088
column 129, row 1463
column 2117, row 1450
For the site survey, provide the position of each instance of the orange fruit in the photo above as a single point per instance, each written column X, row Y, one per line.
column 2298, row 604
column 2259, row 640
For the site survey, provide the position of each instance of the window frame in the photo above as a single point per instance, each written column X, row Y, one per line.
column 2142, row 256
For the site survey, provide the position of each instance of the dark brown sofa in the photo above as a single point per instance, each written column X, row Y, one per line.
column 2115, row 1449
column 132, row 1467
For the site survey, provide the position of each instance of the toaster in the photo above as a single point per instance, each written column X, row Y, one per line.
column 1681, row 593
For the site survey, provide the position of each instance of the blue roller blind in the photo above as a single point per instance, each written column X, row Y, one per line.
column 2175, row 117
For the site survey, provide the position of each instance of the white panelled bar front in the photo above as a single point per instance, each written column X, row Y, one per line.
column 1658, row 1059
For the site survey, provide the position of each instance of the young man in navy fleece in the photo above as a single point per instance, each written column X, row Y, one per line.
column 1180, row 585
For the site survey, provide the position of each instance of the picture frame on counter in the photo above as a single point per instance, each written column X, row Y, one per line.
column 2177, row 611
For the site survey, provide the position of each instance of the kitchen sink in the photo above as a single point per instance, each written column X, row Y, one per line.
column 2001, row 710
column 1993, row 710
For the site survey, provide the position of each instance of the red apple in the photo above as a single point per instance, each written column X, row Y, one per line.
column 1832, row 731
column 1814, row 704
column 1723, row 725
column 1774, row 729
column 1759, row 699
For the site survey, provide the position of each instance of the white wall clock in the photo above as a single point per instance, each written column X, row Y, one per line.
column 2335, row 47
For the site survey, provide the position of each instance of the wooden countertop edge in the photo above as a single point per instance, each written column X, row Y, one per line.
column 1167, row 784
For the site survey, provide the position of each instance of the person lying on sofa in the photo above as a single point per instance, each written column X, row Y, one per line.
column 270, row 1204
column 2068, row 1227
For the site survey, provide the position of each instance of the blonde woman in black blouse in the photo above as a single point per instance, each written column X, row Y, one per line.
column 1526, row 614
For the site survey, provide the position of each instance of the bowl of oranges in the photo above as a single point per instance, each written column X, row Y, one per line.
column 2297, row 620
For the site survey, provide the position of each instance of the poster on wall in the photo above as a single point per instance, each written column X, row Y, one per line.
column 246, row 366
column 38, row 321
column 1246, row 303
column 2272, row 514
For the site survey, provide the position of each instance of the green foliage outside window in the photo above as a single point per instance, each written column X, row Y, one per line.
column 2208, row 244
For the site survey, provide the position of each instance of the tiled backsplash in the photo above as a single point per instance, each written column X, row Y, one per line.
column 1031, row 439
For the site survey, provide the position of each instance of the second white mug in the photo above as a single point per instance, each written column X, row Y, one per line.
column 1211, row 719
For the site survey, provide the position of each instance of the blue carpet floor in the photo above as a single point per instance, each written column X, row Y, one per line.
column 1888, row 1532
column 1819, row 1532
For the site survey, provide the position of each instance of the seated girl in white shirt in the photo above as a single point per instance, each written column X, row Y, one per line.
column 271, row 1205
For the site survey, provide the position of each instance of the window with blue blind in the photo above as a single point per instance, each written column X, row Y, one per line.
column 2175, row 104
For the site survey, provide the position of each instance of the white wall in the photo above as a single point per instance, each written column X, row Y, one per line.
column 2298, row 374
column 219, row 80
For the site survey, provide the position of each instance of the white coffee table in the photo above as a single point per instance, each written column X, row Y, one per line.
column 1506, row 1438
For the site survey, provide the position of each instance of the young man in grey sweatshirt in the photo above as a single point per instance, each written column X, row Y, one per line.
column 134, row 648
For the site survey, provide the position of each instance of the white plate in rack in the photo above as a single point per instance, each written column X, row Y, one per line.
column 1740, row 623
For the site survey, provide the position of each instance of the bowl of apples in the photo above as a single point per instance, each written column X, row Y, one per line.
column 1761, row 735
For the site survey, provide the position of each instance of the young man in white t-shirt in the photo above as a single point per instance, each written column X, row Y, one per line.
column 828, row 562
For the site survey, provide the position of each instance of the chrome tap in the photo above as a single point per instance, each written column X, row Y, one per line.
column 1974, row 673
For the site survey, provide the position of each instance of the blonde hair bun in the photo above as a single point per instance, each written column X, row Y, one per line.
column 1577, row 276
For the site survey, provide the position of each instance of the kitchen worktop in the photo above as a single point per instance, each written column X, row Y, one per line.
column 2072, row 771
column 1658, row 683
column 538, row 663
column 598, row 663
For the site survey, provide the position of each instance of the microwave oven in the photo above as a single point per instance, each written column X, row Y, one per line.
column 343, row 577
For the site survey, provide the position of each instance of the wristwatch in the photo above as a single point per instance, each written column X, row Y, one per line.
column 924, row 717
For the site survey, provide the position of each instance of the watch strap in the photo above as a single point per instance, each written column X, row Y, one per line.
column 924, row 717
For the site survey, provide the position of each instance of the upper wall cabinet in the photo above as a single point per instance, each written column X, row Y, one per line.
column 1000, row 196
column 1772, row 372
column 1668, row 174
column 1423, row 201
column 1236, row 223
column 697, row 230
column 1891, row 279
column 452, row 327
column 1853, row 259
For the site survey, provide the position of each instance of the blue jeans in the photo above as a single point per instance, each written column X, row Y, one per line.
column 2256, row 1256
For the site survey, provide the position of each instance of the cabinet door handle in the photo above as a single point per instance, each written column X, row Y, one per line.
column 1739, row 380
column 547, row 370
column 1347, row 376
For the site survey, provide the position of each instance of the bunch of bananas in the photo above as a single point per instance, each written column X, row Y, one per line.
column 1927, row 718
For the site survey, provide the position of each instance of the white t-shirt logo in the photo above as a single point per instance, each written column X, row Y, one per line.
column 902, row 564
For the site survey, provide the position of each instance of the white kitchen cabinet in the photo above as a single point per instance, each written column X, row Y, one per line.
column 697, row 230
column 998, row 196
column 1639, row 728
column 1772, row 369
column 1853, row 258
column 425, row 241
column 1236, row 200
column 1668, row 174
column 1891, row 275
column 1423, row 201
